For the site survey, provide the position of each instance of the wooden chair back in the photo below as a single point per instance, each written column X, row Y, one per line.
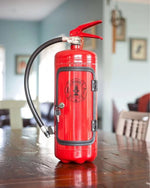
column 14, row 107
column 134, row 124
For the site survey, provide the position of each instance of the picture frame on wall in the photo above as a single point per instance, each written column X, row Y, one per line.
column 121, row 30
column 21, row 62
column 138, row 49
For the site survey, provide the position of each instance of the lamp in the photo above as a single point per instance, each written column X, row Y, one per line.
column 116, row 17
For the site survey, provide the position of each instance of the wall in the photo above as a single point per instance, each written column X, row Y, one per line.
column 17, row 37
column 67, row 17
column 106, row 89
column 131, row 79
column 20, row 37
column 119, row 78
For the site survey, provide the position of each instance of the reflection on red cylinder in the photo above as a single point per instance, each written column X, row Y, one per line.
column 76, row 175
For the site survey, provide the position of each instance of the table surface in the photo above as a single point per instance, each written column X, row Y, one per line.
column 27, row 160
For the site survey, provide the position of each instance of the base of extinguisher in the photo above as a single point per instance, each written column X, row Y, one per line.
column 76, row 154
column 78, row 161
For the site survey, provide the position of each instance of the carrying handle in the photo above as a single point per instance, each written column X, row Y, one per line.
column 79, row 30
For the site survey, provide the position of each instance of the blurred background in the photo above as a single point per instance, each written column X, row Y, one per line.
column 123, row 56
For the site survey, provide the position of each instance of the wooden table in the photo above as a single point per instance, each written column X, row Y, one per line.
column 27, row 161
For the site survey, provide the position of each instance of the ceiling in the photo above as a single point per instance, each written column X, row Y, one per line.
column 33, row 10
column 135, row 1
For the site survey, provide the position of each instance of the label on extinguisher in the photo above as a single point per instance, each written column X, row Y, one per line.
column 76, row 90
column 76, row 125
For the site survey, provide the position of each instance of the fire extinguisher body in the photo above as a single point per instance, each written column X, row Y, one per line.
column 76, row 119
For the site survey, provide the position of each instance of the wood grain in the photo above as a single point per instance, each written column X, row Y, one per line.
column 27, row 160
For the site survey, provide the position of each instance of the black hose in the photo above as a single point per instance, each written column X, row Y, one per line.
column 26, row 82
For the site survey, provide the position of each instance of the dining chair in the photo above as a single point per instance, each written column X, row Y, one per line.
column 141, row 104
column 144, row 103
column 14, row 107
column 134, row 124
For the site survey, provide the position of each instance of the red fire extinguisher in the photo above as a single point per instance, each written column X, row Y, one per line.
column 75, row 98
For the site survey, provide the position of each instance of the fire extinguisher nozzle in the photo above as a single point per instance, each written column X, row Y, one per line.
column 50, row 130
column 45, row 131
column 47, row 134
